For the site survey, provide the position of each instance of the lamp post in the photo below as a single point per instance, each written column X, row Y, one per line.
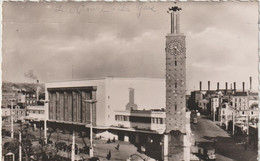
column 45, row 119
column 247, row 122
column 233, row 122
column 20, row 145
column 73, row 147
column 91, row 150
column 12, row 118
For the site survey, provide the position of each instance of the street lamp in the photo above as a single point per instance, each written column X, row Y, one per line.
column 91, row 150
column 20, row 145
column 12, row 118
column 45, row 119
column 233, row 122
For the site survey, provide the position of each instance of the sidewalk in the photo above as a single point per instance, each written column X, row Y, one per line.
column 101, row 149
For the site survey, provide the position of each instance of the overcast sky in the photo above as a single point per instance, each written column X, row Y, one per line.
column 65, row 40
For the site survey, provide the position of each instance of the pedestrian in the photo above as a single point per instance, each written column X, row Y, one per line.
column 109, row 155
column 117, row 147
column 108, row 141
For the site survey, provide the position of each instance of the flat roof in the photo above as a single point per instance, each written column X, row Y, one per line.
column 108, row 77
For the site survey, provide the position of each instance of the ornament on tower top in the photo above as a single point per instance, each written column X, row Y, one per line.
column 175, row 8
column 175, row 19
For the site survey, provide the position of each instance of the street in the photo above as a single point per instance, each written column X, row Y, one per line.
column 227, row 149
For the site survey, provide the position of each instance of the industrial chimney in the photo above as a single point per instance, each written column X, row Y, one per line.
column 200, row 85
column 234, row 86
column 243, row 86
column 131, row 104
column 218, row 86
column 226, row 86
column 208, row 85
column 250, row 78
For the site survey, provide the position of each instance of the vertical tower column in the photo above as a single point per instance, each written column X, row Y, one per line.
column 172, row 22
column 177, row 23
column 165, row 147
column 175, row 137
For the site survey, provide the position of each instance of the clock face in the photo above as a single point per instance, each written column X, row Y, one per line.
column 175, row 47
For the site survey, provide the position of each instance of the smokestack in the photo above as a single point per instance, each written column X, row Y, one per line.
column 37, row 90
column 226, row 86
column 243, row 86
column 200, row 85
column 250, row 78
column 208, row 85
column 218, row 86
column 131, row 104
column 235, row 86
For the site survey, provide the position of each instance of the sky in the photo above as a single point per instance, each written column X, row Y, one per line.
column 75, row 40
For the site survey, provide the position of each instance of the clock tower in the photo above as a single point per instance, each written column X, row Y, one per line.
column 175, row 134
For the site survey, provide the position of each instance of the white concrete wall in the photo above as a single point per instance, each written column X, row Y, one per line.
column 35, row 116
column 144, row 126
column 148, row 94
column 101, row 93
column 113, row 94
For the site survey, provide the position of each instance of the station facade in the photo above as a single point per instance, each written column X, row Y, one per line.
column 67, row 99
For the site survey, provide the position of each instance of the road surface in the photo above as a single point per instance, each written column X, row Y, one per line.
column 227, row 148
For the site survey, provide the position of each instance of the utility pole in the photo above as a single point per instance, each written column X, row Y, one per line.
column 214, row 113
column 20, row 146
column 73, row 147
column 12, row 121
column 12, row 118
column 45, row 119
column 233, row 123
column 91, row 150
column 247, row 120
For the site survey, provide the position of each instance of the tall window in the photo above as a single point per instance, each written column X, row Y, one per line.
column 175, row 85
column 175, row 63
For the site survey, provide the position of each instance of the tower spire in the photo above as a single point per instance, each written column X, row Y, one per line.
column 175, row 19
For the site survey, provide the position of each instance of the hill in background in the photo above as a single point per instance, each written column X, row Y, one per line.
column 9, row 87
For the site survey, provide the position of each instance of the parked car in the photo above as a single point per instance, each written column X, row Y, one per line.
column 210, row 153
column 207, row 150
